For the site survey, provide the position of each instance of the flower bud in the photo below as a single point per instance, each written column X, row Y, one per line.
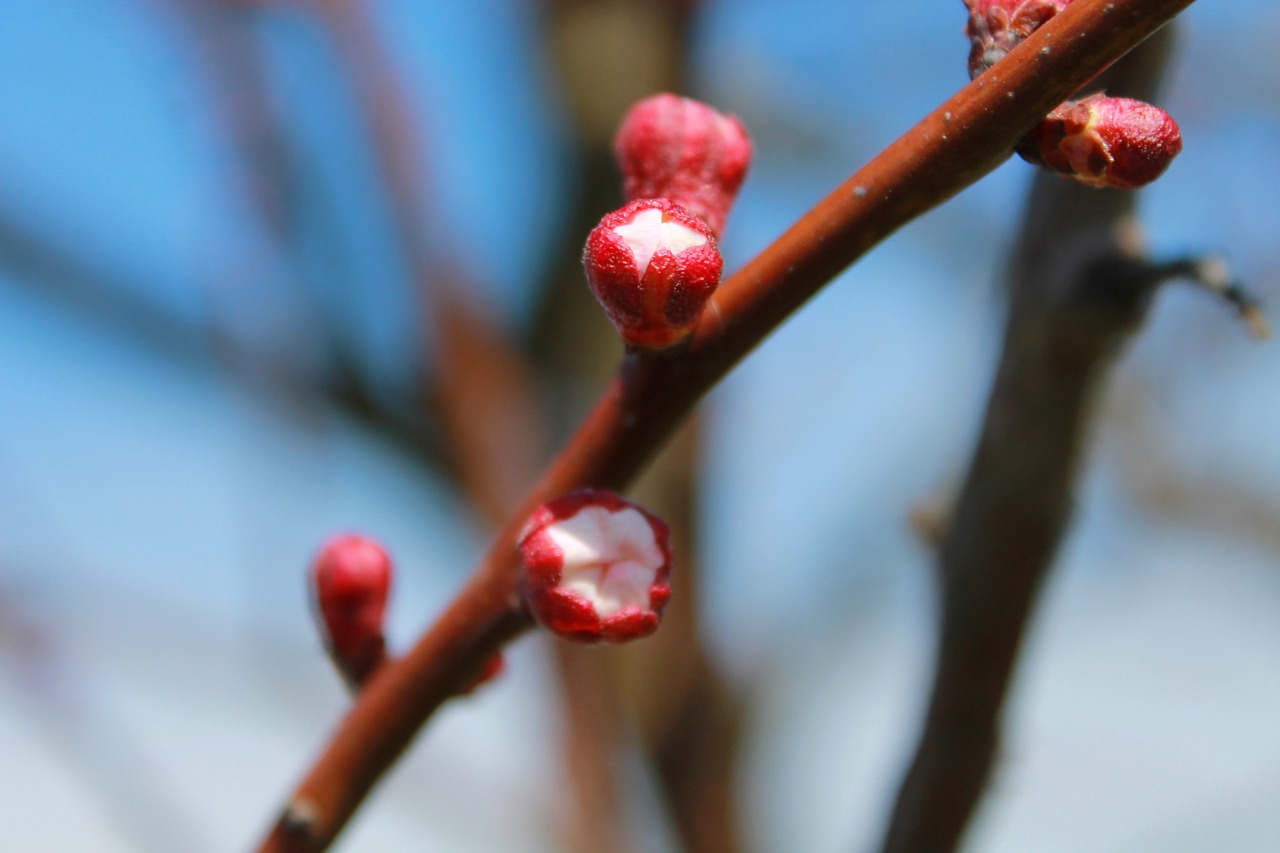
column 351, row 581
column 652, row 265
column 1105, row 142
column 681, row 149
column 595, row 567
column 998, row 26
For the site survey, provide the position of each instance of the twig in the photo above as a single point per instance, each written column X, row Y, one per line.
column 1080, row 289
column 962, row 140
column 1211, row 273
column 667, row 691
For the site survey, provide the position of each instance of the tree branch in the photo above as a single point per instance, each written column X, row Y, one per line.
column 1080, row 288
column 958, row 143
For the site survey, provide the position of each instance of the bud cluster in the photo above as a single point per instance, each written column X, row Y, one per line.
column 1098, row 141
column 998, row 26
column 654, row 263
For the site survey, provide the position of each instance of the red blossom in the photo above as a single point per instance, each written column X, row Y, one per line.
column 595, row 567
column 652, row 265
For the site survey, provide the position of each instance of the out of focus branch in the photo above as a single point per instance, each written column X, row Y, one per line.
column 1080, row 287
column 54, row 272
column 483, row 385
column 962, row 140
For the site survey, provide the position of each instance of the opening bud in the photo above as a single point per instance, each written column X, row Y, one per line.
column 595, row 567
column 682, row 149
column 998, row 26
column 652, row 265
column 1105, row 142
column 351, row 581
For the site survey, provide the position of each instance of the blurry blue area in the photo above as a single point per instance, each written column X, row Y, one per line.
column 172, row 491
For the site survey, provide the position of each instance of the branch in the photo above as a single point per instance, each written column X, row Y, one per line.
column 1080, row 289
column 958, row 143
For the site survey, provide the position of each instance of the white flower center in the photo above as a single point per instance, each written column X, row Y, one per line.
column 647, row 232
column 610, row 558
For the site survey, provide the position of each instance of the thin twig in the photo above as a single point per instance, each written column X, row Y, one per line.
column 958, row 143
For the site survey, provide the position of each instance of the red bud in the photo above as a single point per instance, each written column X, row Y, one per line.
column 351, row 579
column 652, row 265
column 1105, row 142
column 594, row 567
column 998, row 26
column 683, row 150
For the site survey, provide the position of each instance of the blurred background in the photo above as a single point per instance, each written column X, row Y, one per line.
column 274, row 270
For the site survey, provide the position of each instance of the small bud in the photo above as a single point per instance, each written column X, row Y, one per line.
column 1105, row 142
column 351, row 581
column 681, row 149
column 998, row 26
column 595, row 567
column 652, row 265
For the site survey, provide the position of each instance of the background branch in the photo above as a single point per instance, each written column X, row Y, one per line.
column 1080, row 287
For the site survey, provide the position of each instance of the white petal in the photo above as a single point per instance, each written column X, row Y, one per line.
column 646, row 233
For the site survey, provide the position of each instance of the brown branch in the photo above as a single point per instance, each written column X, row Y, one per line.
column 1080, row 289
column 958, row 143
column 665, row 693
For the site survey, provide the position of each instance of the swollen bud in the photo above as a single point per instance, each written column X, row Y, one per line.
column 997, row 26
column 1105, row 142
column 595, row 567
column 351, row 581
column 683, row 150
column 652, row 265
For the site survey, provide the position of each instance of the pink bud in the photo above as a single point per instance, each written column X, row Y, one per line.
column 652, row 265
column 351, row 579
column 998, row 26
column 595, row 567
column 681, row 149
column 1105, row 142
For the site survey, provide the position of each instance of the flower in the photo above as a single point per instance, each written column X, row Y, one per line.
column 595, row 567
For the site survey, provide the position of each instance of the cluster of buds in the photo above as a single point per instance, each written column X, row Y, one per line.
column 998, row 26
column 1105, row 142
column 1098, row 141
column 595, row 567
column 654, row 263
column 350, row 583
